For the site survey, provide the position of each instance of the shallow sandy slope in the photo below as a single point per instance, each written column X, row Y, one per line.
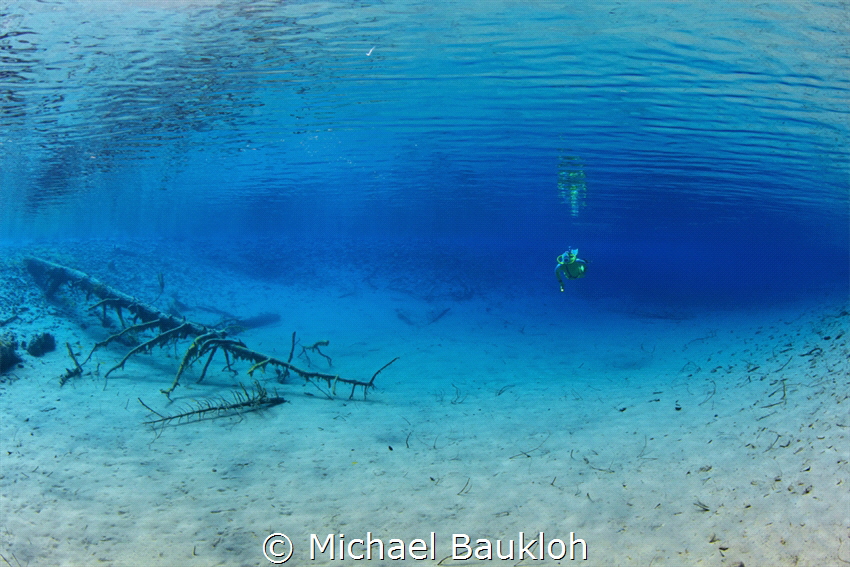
column 708, row 441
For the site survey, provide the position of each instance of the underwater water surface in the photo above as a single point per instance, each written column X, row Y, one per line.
column 721, row 128
column 347, row 183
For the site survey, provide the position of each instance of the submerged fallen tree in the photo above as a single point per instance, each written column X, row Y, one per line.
column 168, row 329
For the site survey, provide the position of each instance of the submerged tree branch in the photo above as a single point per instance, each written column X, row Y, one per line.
column 169, row 329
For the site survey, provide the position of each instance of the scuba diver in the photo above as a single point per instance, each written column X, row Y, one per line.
column 570, row 266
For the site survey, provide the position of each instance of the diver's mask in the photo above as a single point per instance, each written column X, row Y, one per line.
column 569, row 256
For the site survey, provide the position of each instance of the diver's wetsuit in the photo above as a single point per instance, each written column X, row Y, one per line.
column 572, row 271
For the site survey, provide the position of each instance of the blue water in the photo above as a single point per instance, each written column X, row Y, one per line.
column 695, row 125
column 399, row 178
column 711, row 139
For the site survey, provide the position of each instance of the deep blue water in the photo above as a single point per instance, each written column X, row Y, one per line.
column 694, row 152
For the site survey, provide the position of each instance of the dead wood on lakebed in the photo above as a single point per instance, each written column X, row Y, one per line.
column 136, row 316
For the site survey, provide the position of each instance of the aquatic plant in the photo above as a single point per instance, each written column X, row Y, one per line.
column 241, row 401
column 41, row 344
column 8, row 356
